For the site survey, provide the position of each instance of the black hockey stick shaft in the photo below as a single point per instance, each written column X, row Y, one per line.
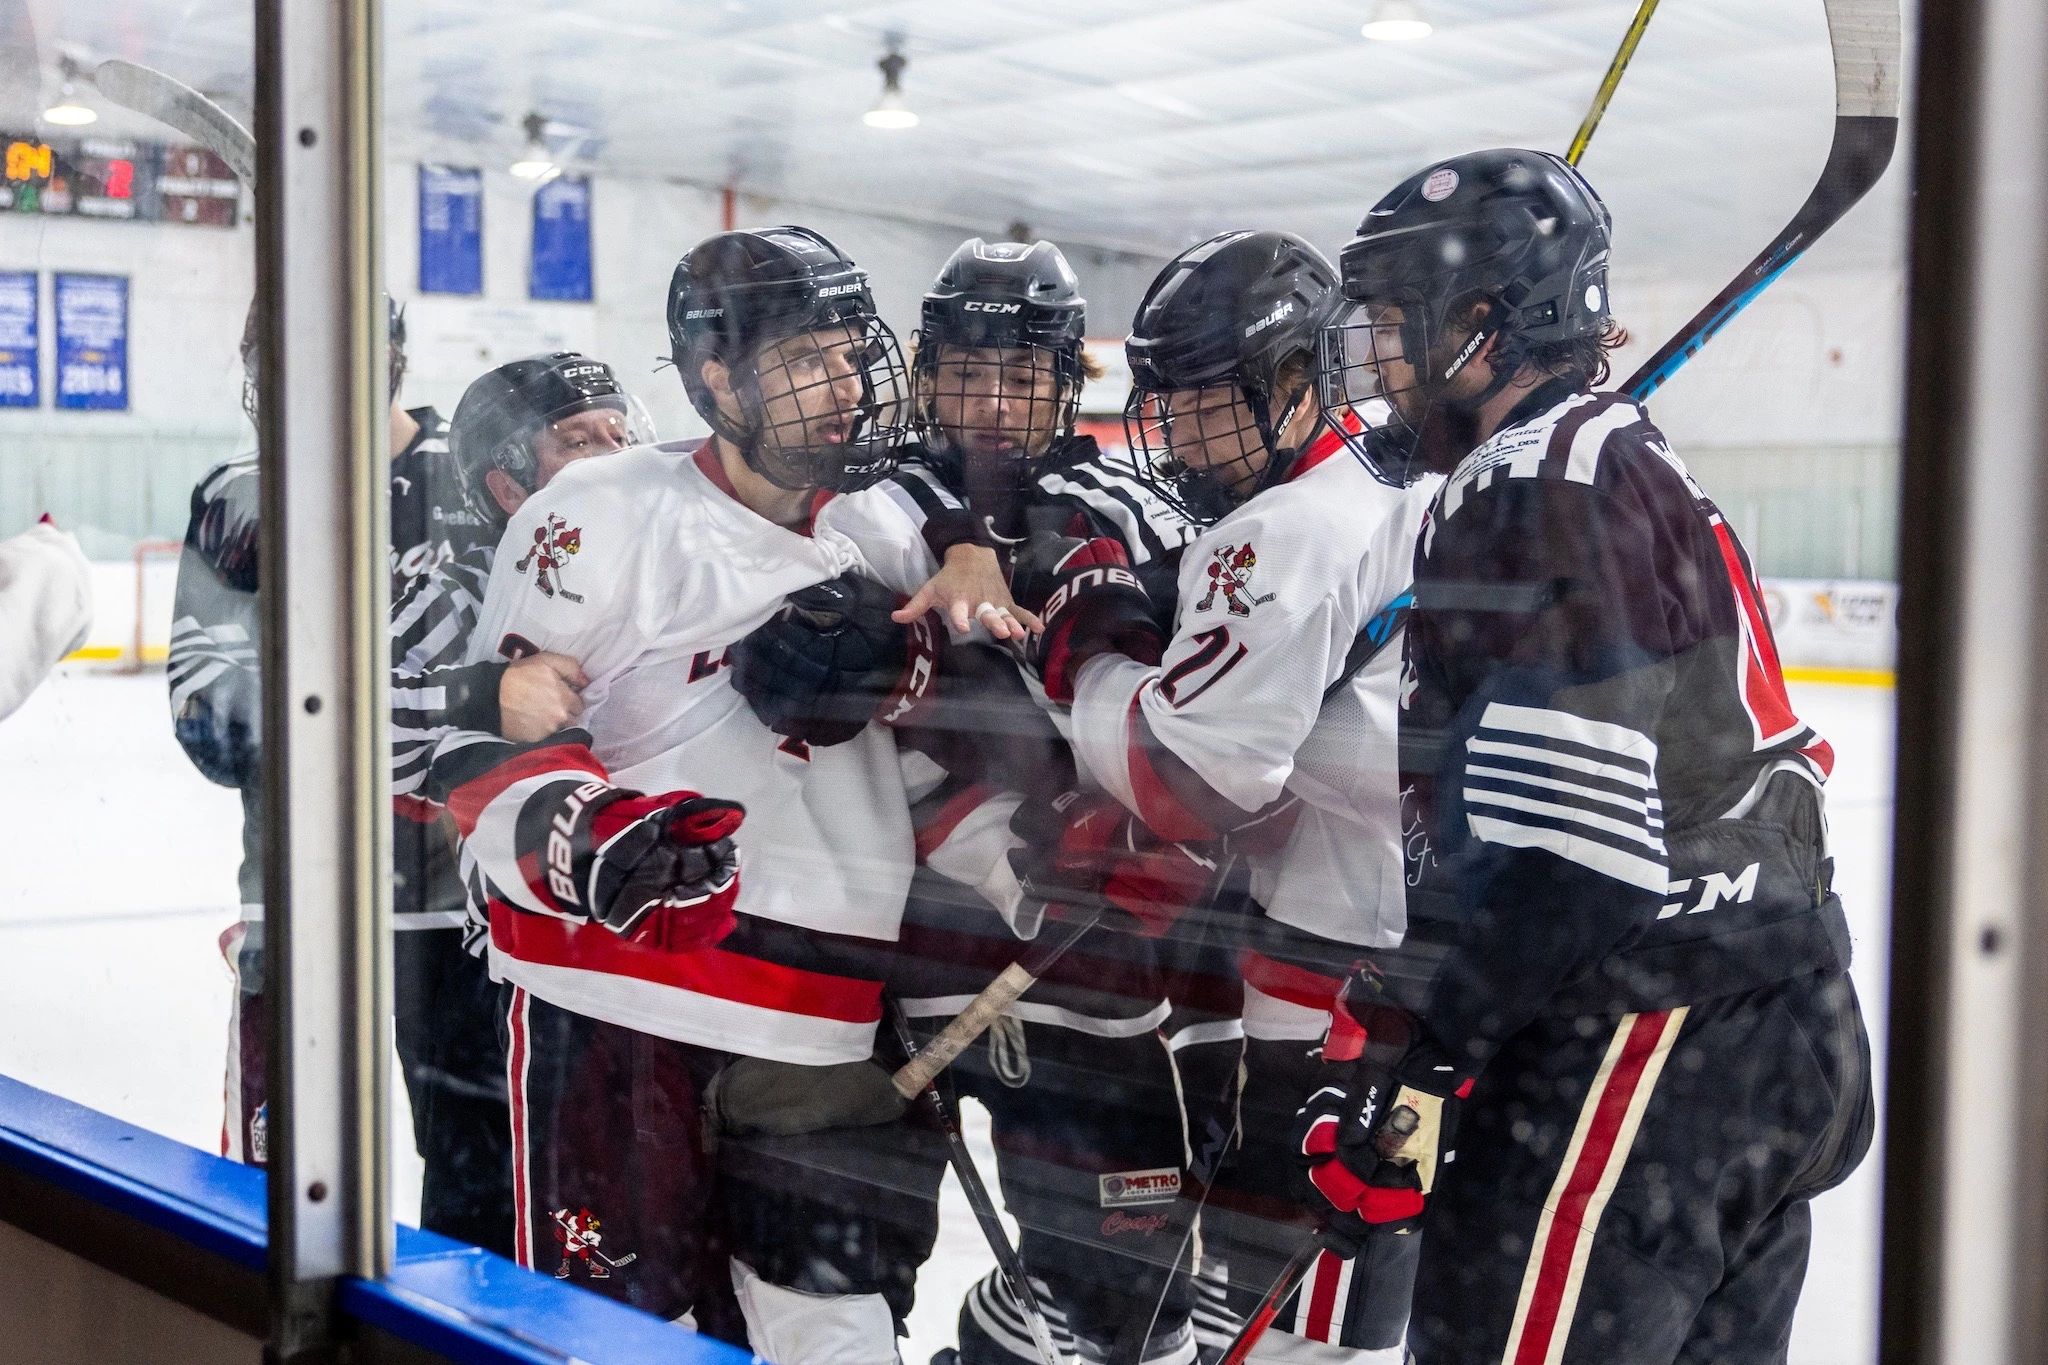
column 1865, row 37
column 1207, row 1167
column 1008, row 1259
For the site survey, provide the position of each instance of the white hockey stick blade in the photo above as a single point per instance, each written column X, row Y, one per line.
column 1865, row 38
column 177, row 105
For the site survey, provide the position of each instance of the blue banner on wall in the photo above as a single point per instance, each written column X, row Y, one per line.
column 561, row 241
column 451, row 230
column 21, row 355
column 92, row 342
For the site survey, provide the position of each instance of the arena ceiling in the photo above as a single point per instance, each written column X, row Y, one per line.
column 1140, row 124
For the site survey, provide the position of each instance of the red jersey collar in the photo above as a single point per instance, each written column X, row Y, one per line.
column 1326, row 444
column 707, row 460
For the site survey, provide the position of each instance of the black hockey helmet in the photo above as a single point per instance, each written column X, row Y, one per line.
column 1520, row 232
column 251, row 349
column 504, row 409
column 741, row 298
column 1010, row 296
column 395, row 342
column 1213, row 351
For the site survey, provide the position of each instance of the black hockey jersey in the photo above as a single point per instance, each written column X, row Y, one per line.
column 1113, row 985
column 213, row 671
column 431, row 521
column 1616, row 806
column 1080, row 490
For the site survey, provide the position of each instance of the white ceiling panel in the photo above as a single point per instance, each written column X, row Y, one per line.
column 1141, row 124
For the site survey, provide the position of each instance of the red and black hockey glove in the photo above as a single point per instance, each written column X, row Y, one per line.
column 664, row 871
column 1382, row 1122
column 1084, row 849
column 1091, row 604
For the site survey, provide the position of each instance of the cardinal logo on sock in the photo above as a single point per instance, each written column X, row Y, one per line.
column 1230, row 573
column 554, row 541
column 582, row 1238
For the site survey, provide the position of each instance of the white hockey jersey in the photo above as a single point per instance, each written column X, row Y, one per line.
column 1234, row 719
column 645, row 568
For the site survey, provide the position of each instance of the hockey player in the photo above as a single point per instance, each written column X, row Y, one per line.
column 214, row 677
column 1254, row 722
column 432, row 518
column 1643, row 1047
column 45, row 607
column 647, row 567
column 516, row 428
column 1079, row 1083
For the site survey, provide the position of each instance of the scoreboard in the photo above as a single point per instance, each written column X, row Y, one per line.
column 133, row 181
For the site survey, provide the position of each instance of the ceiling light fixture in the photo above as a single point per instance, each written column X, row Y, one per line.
column 67, row 111
column 1396, row 21
column 890, row 111
column 536, row 163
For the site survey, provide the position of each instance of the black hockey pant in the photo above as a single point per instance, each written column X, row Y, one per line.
column 447, row 1026
column 1091, row 1155
column 621, row 1187
column 1635, row 1188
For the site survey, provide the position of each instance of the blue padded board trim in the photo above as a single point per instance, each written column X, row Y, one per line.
column 453, row 1299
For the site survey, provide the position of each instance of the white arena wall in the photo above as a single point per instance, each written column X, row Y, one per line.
column 1789, row 417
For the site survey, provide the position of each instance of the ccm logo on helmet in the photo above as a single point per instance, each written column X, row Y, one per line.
column 1263, row 323
column 1108, row 576
column 977, row 306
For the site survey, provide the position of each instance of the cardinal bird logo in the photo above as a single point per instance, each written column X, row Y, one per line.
column 554, row 541
column 1230, row 573
column 582, row 1238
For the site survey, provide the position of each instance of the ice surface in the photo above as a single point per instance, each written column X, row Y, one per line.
column 120, row 876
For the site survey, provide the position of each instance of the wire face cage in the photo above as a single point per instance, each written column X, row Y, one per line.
column 1004, row 410
column 1364, row 365
column 829, row 407
column 1202, row 450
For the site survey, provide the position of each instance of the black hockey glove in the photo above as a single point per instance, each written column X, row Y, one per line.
column 661, row 870
column 1085, row 849
column 1382, row 1121
column 1091, row 603
column 831, row 661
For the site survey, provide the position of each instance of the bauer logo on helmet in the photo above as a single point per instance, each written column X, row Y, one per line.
column 1280, row 312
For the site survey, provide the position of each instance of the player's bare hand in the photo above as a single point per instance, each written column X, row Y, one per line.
column 538, row 695
column 970, row 589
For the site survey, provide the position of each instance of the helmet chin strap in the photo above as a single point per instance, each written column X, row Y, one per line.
column 1281, row 459
column 1488, row 329
column 1448, row 427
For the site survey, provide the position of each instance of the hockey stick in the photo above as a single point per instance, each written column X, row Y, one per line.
column 177, row 105
column 1610, row 82
column 1008, row 1259
column 1379, row 632
column 982, row 1011
column 1291, row 1276
column 1399, row 1126
column 1864, row 35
